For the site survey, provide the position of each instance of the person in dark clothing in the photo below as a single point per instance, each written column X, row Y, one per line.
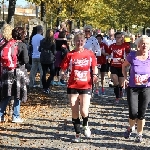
column 47, row 58
column 62, row 48
column 14, row 82
column 34, row 32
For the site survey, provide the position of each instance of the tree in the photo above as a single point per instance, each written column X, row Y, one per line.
column 11, row 10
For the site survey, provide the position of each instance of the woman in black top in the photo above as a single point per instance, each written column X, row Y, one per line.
column 47, row 58
column 62, row 48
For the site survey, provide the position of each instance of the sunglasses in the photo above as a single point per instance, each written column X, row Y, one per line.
column 87, row 30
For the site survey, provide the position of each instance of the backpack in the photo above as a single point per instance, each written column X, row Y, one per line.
column 9, row 55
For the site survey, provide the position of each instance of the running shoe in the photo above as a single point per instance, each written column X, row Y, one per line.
column 17, row 120
column 138, row 138
column 96, row 92
column 127, row 133
column 117, row 101
column 77, row 138
column 47, row 91
column 53, row 83
column 60, row 84
column 87, row 131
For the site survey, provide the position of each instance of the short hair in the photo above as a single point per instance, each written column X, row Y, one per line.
column 62, row 34
column 99, row 35
column 82, row 35
column 39, row 28
column 117, row 33
column 138, row 40
column 7, row 31
column 88, row 27
column 18, row 33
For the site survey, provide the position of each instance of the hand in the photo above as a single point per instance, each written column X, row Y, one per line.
column 64, row 46
column 126, row 82
column 109, row 60
column 95, row 78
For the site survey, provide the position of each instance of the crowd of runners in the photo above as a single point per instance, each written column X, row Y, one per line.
column 83, row 58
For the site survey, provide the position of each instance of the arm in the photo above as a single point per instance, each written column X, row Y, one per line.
column 53, row 48
column 41, row 42
column 124, row 70
column 24, row 51
column 97, row 47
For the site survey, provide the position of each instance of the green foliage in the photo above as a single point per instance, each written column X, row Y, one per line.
column 100, row 13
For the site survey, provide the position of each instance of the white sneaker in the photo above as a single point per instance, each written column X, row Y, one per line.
column 77, row 138
column 87, row 131
column 17, row 120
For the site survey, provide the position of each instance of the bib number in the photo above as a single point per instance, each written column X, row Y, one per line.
column 116, row 61
column 141, row 79
column 80, row 75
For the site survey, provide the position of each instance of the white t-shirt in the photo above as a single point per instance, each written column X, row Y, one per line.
column 108, row 41
column 93, row 45
column 36, row 43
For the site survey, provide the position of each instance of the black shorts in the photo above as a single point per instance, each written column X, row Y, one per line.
column 103, row 68
column 107, row 66
column 116, row 70
column 78, row 91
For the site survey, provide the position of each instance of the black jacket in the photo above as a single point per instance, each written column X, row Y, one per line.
column 48, row 51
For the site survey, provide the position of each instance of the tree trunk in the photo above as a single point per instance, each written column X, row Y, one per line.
column 11, row 10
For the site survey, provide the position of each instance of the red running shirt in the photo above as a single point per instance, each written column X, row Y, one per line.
column 117, row 53
column 79, row 63
column 102, row 59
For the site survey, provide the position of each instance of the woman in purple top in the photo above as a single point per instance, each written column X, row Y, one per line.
column 138, row 91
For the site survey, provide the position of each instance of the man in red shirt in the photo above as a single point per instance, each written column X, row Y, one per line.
column 117, row 52
column 102, row 62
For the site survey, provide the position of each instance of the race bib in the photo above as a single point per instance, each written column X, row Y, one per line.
column 116, row 61
column 141, row 79
column 80, row 75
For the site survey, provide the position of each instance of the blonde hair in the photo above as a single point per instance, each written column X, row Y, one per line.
column 143, row 37
column 82, row 35
column 7, row 31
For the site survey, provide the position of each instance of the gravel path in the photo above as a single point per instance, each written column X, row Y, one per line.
column 48, row 126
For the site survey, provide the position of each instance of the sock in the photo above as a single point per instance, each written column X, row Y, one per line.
column 76, row 123
column 116, row 91
column 85, row 121
column 133, row 128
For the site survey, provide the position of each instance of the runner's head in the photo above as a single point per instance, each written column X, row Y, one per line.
column 143, row 43
column 111, row 32
column 118, row 37
column 79, row 41
column 88, row 31
column 132, row 38
column 99, row 38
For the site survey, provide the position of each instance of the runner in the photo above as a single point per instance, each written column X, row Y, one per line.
column 103, row 63
column 91, row 42
column 79, row 84
column 117, row 52
column 138, row 89
column 109, row 41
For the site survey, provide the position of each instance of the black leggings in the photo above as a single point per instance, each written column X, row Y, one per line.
column 138, row 99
